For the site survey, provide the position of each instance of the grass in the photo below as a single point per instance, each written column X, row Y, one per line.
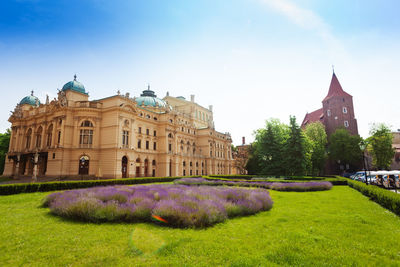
column 335, row 227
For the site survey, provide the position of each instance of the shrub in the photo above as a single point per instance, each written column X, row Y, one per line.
column 10, row 189
column 178, row 205
column 287, row 186
column 383, row 197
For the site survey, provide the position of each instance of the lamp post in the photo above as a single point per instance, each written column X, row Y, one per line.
column 363, row 145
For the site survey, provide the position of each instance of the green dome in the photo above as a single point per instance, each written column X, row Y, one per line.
column 148, row 98
column 74, row 86
column 30, row 100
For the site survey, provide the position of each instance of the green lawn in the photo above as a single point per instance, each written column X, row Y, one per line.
column 336, row 227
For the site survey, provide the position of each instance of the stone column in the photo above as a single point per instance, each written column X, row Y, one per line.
column 35, row 168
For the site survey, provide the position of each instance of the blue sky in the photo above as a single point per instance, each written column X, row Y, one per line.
column 251, row 59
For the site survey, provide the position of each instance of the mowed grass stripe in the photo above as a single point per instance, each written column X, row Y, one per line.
column 335, row 227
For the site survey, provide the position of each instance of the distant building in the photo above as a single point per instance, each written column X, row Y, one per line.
column 396, row 145
column 337, row 110
column 117, row 136
column 241, row 157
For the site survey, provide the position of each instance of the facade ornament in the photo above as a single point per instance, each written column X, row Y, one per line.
column 118, row 92
column 62, row 98
column 18, row 111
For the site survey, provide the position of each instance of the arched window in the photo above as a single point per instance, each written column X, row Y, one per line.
column 170, row 135
column 49, row 135
column 153, row 162
column 28, row 138
column 86, row 124
column 39, row 137
column 86, row 134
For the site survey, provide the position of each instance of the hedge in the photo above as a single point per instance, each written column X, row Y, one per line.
column 335, row 181
column 383, row 197
column 9, row 189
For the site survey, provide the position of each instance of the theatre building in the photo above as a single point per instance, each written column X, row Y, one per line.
column 114, row 137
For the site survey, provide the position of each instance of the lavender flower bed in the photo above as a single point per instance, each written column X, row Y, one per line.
column 298, row 187
column 178, row 205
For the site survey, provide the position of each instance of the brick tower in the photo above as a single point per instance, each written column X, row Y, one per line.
column 337, row 110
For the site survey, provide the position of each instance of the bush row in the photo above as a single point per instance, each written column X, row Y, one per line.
column 290, row 178
column 293, row 186
column 334, row 181
column 9, row 189
column 383, row 197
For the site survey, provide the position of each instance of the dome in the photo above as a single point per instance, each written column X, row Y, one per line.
column 148, row 98
column 74, row 86
column 30, row 100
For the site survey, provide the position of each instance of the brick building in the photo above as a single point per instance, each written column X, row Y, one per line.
column 337, row 110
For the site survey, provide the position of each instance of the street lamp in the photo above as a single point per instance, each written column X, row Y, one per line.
column 363, row 146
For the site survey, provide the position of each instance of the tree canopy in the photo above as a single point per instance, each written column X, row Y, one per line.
column 4, row 143
column 344, row 148
column 380, row 146
column 316, row 134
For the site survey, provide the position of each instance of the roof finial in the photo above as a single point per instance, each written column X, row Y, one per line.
column 148, row 86
column 75, row 77
column 333, row 69
column 32, row 93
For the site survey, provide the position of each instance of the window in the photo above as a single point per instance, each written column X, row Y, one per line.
column 28, row 138
column 49, row 135
column 147, row 131
column 191, row 164
column 169, row 147
column 87, row 124
column 153, row 163
column 148, row 116
column 139, row 144
column 344, row 110
column 59, row 137
column 184, row 163
column 39, row 137
column 346, row 124
column 147, row 144
column 86, row 138
column 155, row 133
column 154, row 146
column 140, row 130
column 169, row 135
column 86, row 135
column 125, row 138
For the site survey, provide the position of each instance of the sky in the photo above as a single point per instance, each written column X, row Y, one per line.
column 251, row 59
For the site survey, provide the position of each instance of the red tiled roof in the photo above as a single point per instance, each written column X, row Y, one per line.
column 335, row 89
column 314, row 116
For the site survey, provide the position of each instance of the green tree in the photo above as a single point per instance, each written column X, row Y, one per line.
column 316, row 134
column 380, row 146
column 4, row 143
column 344, row 148
column 295, row 150
column 268, row 150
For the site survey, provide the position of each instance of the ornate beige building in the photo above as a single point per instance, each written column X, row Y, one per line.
column 115, row 137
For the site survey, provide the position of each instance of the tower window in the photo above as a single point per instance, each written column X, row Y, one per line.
column 344, row 110
column 328, row 112
column 346, row 124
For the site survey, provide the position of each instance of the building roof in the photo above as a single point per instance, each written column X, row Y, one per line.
column 314, row 116
column 74, row 86
column 148, row 98
column 335, row 89
column 30, row 100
